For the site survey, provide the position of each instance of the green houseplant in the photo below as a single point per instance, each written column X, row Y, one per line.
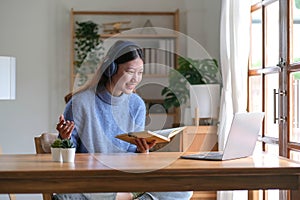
column 67, row 144
column 189, row 72
column 88, row 49
column 63, row 150
column 57, row 143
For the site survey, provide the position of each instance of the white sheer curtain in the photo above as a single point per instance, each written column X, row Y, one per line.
column 234, row 47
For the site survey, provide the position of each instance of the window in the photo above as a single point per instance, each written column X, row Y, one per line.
column 263, row 70
column 293, row 70
column 274, row 78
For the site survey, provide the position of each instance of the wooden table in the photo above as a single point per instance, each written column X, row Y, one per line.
column 159, row 171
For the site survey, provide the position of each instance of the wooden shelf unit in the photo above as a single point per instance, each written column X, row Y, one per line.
column 87, row 15
column 145, row 36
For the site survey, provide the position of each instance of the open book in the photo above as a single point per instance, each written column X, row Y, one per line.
column 160, row 136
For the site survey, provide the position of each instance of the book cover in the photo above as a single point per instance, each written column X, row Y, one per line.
column 160, row 136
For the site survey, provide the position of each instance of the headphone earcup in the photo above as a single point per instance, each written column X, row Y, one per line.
column 111, row 69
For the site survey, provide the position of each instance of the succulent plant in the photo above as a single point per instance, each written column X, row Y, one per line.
column 57, row 143
column 67, row 143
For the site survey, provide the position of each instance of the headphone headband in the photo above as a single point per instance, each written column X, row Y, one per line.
column 109, row 63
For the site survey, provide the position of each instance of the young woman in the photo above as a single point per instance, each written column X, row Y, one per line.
column 106, row 107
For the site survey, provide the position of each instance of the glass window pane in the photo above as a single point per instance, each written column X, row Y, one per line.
column 295, row 155
column 295, row 32
column 255, row 93
column 271, row 83
column 294, row 107
column 256, row 40
column 272, row 34
column 258, row 147
column 272, row 194
column 255, row 1
column 272, row 149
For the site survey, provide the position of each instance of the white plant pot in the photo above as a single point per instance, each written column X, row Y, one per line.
column 56, row 154
column 68, row 155
column 206, row 98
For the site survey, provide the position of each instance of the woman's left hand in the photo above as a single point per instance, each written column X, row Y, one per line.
column 143, row 146
column 65, row 128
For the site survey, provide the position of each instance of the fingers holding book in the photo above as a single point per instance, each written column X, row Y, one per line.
column 143, row 146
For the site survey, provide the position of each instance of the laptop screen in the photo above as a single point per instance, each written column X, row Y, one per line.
column 243, row 135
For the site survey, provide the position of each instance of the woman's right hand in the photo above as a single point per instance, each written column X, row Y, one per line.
column 65, row 128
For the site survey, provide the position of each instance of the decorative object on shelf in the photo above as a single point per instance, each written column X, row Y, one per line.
column 68, row 150
column 115, row 27
column 88, row 49
column 189, row 73
column 55, row 150
column 148, row 28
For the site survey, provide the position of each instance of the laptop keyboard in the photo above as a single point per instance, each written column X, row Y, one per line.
column 216, row 155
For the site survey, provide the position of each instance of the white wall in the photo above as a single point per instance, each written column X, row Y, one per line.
column 203, row 25
column 36, row 32
column 24, row 35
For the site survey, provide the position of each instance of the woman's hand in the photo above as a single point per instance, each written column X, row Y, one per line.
column 64, row 128
column 143, row 146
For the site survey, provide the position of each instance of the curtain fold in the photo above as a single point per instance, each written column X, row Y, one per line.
column 234, row 51
column 234, row 47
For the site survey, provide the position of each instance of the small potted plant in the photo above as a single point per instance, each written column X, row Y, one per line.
column 55, row 150
column 68, row 150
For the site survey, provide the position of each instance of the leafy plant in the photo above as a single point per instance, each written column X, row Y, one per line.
column 189, row 72
column 57, row 143
column 297, row 3
column 67, row 143
column 88, row 49
column 296, row 75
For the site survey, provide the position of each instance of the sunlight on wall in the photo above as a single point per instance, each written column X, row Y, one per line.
column 7, row 78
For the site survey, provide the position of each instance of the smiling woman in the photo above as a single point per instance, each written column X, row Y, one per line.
column 106, row 107
column 7, row 78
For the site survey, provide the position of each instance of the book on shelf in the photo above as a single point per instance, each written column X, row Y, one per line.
column 160, row 136
column 153, row 61
column 160, row 58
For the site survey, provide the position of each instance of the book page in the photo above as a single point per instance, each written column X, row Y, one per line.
column 148, row 135
column 169, row 132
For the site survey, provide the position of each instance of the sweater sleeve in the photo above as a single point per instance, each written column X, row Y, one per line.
column 68, row 114
column 138, row 114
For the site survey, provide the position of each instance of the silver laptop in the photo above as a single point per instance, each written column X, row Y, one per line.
column 241, row 139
